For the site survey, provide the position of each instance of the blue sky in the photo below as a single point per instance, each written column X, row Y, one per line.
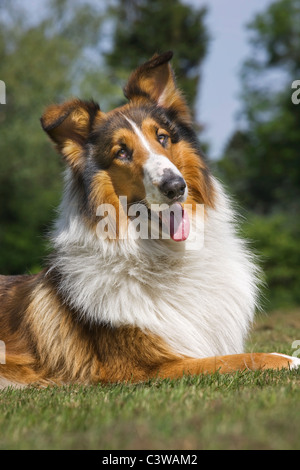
column 220, row 88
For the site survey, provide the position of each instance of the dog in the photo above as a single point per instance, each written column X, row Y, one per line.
column 126, row 308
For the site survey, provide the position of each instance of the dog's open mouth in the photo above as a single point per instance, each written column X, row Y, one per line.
column 174, row 222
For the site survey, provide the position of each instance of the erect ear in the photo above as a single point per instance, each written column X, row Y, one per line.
column 155, row 80
column 69, row 126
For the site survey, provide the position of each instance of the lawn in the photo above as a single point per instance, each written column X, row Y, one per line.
column 249, row 410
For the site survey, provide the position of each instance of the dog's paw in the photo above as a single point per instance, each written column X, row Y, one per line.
column 293, row 362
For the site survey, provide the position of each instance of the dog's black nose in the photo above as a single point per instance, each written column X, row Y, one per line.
column 173, row 186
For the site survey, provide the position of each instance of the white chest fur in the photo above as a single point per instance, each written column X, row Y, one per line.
column 200, row 302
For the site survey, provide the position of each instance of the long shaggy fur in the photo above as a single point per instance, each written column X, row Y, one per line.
column 128, row 308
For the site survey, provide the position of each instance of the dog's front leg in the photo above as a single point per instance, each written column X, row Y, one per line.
column 227, row 364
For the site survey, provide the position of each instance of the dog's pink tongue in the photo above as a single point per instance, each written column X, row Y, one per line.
column 179, row 223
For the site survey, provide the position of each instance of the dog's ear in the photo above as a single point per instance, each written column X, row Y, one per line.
column 69, row 126
column 155, row 80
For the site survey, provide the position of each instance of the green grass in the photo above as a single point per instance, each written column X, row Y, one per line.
column 249, row 410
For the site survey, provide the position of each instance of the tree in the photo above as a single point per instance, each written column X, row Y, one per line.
column 41, row 63
column 144, row 27
column 267, row 176
column 261, row 164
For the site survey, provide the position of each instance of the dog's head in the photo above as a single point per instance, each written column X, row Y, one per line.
column 145, row 150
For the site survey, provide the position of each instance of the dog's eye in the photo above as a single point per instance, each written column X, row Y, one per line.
column 163, row 139
column 123, row 154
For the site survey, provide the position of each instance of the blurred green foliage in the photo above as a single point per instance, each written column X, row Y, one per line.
column 275, row 239
column 261, row 163
column 40, row 64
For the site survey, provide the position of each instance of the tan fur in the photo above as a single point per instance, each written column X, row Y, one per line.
column 53, row 347
column 126, row 180
column 194, row 172
column 46, row 341
column 69, row 125
column 156, row 79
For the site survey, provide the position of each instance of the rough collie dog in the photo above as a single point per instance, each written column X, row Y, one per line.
column 112, row 305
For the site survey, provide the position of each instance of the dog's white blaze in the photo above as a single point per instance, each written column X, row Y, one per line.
column 154, row 169
column 140, row 135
